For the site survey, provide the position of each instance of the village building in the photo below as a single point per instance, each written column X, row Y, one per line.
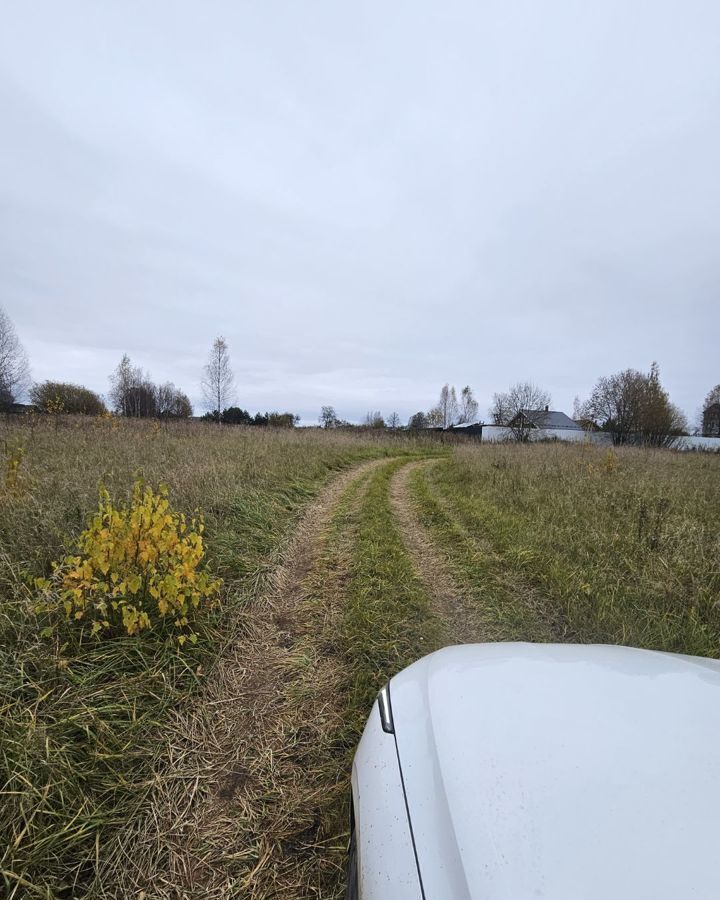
column 711, row 420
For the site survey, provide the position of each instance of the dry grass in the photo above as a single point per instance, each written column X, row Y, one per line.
column 129, row 767
column 82, row 725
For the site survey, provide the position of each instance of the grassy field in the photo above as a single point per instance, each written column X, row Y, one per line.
column 78, row 730
column 428, row 544
column 616, row 547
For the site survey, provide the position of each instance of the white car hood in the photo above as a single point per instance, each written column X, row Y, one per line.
column 563, row 772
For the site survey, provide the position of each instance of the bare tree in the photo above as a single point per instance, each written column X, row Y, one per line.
column 448, row 406
column 578, row 409
column 393, row 421
column 328, row 417
column 520, row 409
column 614, row 404
column 171, row 402
column 374, row 419
column 468, row 406
column 14, row 367
column 218, row 384
column 124, row 384
column 132, row 393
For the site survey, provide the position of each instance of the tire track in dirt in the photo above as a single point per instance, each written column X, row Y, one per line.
column 238, row 806
column 460, row 619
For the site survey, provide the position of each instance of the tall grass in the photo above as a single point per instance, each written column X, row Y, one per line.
column 498, row 606
column 79, row 725
column 624, row 545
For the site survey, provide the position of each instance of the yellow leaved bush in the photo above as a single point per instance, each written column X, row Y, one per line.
column 137, row 565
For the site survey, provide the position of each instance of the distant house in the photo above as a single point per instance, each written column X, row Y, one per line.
column 545, row 419
column 543, row 425
column 469, row 429
column 533, row 425
column 711, row 420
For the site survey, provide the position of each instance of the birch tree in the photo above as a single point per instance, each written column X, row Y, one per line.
column 218, row 384
column 448, row 406
column 14, row 367
column 468, row 406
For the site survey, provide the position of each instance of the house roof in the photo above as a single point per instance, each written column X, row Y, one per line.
column 550, row 418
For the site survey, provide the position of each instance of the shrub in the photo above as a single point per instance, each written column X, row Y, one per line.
column 282, row 420
column 60, row 397
column 171, row 402
column 137, row 567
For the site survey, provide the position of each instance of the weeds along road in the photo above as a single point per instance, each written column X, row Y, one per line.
column 253, row 800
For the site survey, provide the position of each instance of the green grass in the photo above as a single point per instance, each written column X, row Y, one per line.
column 80, row 725
column 506, row 609
column 621, row 547
column 388, row 616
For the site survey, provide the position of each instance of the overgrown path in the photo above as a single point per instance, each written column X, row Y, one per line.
column 252, row 799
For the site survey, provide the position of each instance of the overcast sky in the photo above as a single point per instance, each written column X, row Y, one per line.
column 366, row 199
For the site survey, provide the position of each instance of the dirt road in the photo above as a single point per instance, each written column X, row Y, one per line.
column 251, row 800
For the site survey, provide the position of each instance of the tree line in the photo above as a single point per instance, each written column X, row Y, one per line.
column 447, row 412
column 630, row 405
column 135, row 395
column 132, row 394
column 234, row 415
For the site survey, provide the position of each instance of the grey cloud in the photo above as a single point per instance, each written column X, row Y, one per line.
column 367, row 201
